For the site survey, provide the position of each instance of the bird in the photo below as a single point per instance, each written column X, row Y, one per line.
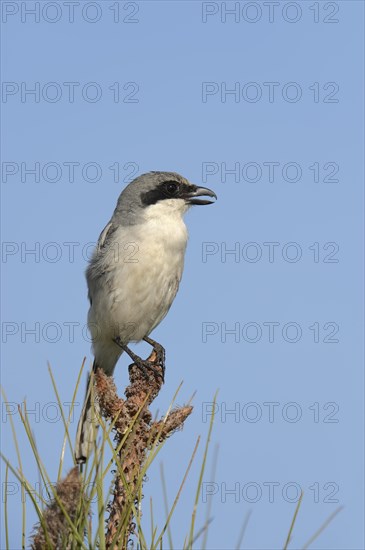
column 134, row 274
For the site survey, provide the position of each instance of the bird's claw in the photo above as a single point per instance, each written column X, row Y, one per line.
column 160, row 355
column 151, row 366
column 143, row 364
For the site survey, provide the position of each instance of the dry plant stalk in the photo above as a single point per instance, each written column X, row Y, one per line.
column 141, row 392
column 55, row 523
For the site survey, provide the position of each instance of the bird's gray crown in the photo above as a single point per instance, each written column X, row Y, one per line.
column 154, row 187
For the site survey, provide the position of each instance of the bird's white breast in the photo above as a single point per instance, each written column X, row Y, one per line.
column 145, row 264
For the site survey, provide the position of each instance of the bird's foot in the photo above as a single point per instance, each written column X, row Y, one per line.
column 160, row 354
column 148, row 366
column 143, row 364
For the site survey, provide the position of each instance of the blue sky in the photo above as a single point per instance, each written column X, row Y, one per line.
column 264, row 105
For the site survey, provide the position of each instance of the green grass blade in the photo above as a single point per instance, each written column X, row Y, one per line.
column 166, row 504
column 293, row 521
column 322, row 527
column 54, row 385
column 209, row 504
column 28, row 431
column 159, row 540
column 46, row 477
column 202, row 469
column 153, row 527
column 243, row 529
column 17, row 450
column 202, row 530
column 100, row 493
column 66, row 423
column 28, row 489
column 6, row 508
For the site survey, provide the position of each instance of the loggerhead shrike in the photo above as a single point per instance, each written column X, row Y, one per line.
column 134, row 275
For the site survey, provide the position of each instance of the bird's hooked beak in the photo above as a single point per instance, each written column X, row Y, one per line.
column 196, row 191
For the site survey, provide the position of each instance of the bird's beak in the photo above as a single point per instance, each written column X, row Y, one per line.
column 200, row 192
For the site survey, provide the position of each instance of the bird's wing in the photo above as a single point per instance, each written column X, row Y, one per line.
column 96, row 266
column 103, row 236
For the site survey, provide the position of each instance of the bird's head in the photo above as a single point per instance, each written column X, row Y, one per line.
column 160, row 193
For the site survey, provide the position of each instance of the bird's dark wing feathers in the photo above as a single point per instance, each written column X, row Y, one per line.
column 95, row 268
column 105, row 235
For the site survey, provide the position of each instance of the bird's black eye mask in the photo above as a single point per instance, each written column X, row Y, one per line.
column 166, row 190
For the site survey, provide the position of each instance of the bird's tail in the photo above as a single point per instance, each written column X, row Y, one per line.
column 88, row 424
